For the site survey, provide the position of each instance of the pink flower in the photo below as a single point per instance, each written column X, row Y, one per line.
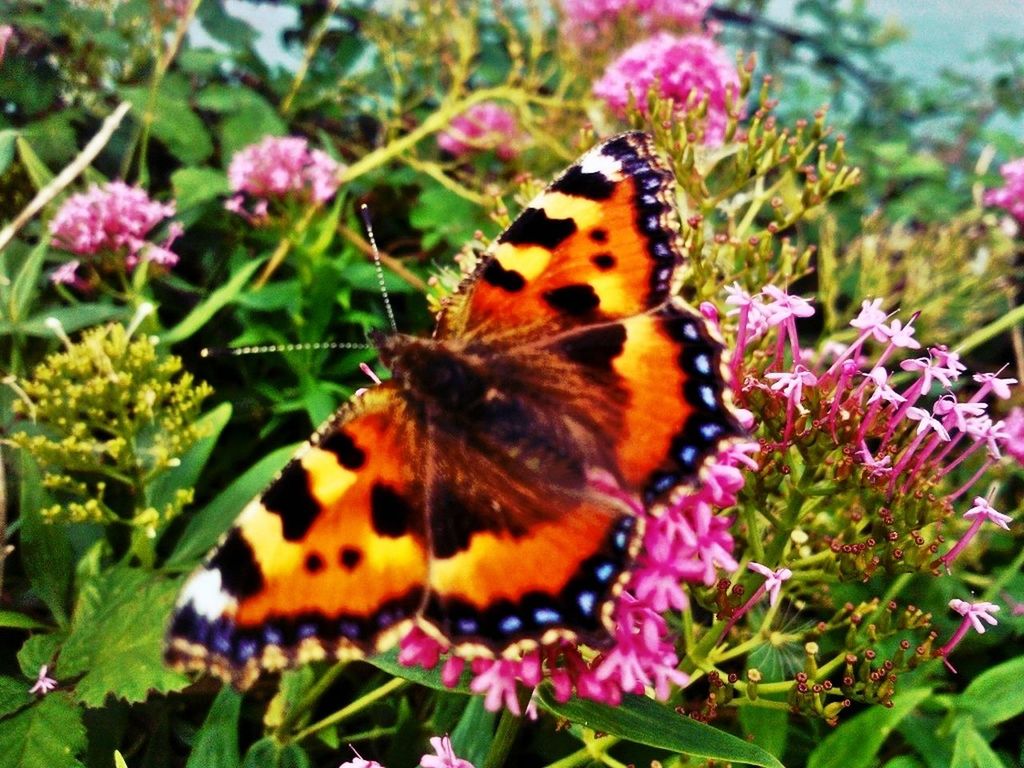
column 974, row 614
column 1010, row 196
column 773, row 579
column 279, row 168
column 359, row 762
column 901, row 335
column 110, row 224
column 686, row 69
column 44, row 683
column 6, row 30
column 1000, row 387
column 483, row 127
column 591, row 21
column 445, row 757
column 980, row 513
column 66, row 273
column 1013, row 432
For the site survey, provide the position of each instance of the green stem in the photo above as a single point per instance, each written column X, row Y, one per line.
column 308, row 701
column 983, row 334
column 307, row 57
column 358, row 705
column 504, row 738
column 592, row 751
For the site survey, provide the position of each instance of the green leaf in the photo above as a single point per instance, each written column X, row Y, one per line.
column 903, row 761
column 72, row 318
column 269, row 753
column 445, row 217
column 7, row 138
column 216, row 742
column 645, row 721
column 201, row 315
column 26, row 282
column 174, row 123
column 14, row 695
column 970, row 750
column 194, row 186
column 859, row 738
column 161, row 491
column 36, row 168
column 116, row 639
column 209, row 523
column 38, row 650
column 46, row 551
column 428, row 678
column 474, row 733
column 769, row 728
column 15, row 620
column 119, row 760
column 50, row 734
column 994, row 696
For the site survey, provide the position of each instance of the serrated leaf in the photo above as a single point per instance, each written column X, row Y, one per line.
column 428, row 678
column 116, row 638
column 14, row 695
column 194, row 186
column 39, row 650
column 161, row 491
column 46, row 551
column 970, row 750
column 269, row 753
column 860, row 737
column 216, row 742
column 49, row 733
column 994, row 696
column 208, row 524
column 202, row 313
column 645, row 721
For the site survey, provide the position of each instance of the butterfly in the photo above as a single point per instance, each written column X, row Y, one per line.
column 487, row 492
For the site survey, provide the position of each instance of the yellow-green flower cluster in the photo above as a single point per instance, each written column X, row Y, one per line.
column 102, row 419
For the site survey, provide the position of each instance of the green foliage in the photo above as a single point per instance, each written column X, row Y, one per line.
column 50, row 733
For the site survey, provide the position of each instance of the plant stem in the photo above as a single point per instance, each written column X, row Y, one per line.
column 593, row 750
column 1005, row 323
column 309, row 700
column 504, row 738
column 311, row 48
column 358, row 705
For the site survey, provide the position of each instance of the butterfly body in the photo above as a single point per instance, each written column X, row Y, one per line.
column 487, row 491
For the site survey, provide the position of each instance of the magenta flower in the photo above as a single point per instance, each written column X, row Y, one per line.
column 587, row 22
column 6, row 30
column 773, row 579
column 276, row 169
column 44, row 683
column 110, row 225
column 483, row 127
column 686, row 70
column 901, row 335
column 445, row 756
column 1013, row 430
column 979, row 514
column 991, row 382
column 359, row 762
column 974, row 615
column 1010, row 196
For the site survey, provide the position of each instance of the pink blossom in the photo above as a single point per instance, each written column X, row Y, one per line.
column 974, row 614
column 925, row 421
column 591, row 21
column 67, row 273
column 1010, row 196
column 991, row 382
column 110, row 224
column 978, row 514
column 880, row 378
column 1013, row 432
column 901, row 335
column 6, row 30
column 44, row 683
column 871, row 319
column 686, row 69
column 359, row 762
column 483, row 127
column 279, row 168
column 773, row 579
column 445, row 756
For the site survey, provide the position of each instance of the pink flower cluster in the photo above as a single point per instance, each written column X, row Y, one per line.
column 444, row 757
column 685, row 543
column 110, row 225
column 6, row 31
column 687, row 70
column 589, row 21
column 483, row 127
column 279, row 168
column 919, row 435
column 1011, row 195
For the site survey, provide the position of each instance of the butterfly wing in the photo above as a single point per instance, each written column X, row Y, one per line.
column 330, row 561
column 601, row 242
column 584, row 277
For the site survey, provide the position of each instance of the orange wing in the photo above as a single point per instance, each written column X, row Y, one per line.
column 601, row 242
column 330, row 561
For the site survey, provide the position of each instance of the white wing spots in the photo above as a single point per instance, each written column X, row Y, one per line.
column 595, row 161
column 205, row 592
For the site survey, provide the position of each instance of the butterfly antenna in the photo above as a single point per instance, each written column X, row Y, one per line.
column 265, row 348
column 364, row 212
